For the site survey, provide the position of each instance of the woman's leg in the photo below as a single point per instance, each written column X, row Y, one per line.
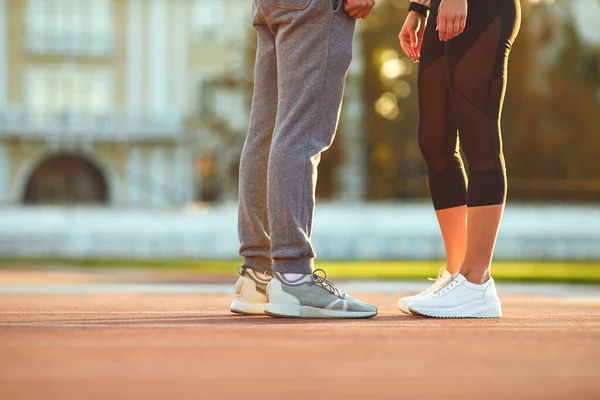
column 476, row 71
column 453, row 224
column 482, row 229
column 438, row 140
column 476, row 67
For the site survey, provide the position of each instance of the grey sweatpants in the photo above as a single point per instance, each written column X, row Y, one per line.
column 304, row 50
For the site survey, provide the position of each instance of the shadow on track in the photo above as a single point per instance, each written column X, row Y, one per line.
column 199, row 320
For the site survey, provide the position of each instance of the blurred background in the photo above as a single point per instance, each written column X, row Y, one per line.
column 122, row 122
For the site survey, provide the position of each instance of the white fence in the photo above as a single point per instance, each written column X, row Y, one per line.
column 21, row 122
column 362, row 231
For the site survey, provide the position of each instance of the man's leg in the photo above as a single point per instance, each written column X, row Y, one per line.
column 253, row 224
column 314, row 50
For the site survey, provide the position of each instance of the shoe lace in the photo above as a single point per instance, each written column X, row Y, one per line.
column 324, row 283
column 446, row 286
column 437, row 282
column 240, row 270
column 440, row 273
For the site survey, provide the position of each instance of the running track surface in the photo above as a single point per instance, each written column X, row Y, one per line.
column 188, row 346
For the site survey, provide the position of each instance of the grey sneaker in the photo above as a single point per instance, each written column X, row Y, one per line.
column 251, row 293
column 312, row 296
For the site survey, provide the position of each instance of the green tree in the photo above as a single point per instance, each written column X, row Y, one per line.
column 396, row 168
column 551, row 130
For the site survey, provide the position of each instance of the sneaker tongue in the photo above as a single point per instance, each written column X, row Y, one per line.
column 446, row 274
column 305, row 278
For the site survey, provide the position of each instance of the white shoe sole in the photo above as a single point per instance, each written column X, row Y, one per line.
column 475, row 309
column 405, row 308
column 293, row 311
column 240, row 306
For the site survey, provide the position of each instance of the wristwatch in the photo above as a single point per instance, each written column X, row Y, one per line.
column 419, row 8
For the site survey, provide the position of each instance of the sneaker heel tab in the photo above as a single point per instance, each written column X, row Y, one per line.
column 490, row 290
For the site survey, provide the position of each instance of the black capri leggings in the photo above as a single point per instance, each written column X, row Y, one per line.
column 461, row 87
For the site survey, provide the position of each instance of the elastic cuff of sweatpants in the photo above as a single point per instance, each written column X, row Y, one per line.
column 303, row 265
column 259, row 264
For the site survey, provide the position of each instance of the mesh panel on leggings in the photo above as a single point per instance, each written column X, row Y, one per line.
column 467, row 94
column 471, row 89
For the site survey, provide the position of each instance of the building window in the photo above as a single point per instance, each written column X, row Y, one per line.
column 209, row 17
column 67, row 96
column 70, row 27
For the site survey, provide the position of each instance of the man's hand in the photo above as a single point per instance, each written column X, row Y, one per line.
column 452, row 18
column 359, row 8
column 411, row 35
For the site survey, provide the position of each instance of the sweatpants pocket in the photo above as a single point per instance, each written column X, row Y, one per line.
column 337, row 5
column 291, row 4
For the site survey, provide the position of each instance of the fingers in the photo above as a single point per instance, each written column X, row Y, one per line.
column 419, row 43
column 359, row 13
column 406, row 44
column 358, row 10
column 442, row 27
column 363, row 14
column 406, row 47
column 349, row 8
column 450, row 27
column 461, row 25
column 411, row 36
column 453, row 28
column 412, row 40
column 353, row 11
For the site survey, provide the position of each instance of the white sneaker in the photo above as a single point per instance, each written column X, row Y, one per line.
column 251, row 293
column 443, row 278
column 459, row 298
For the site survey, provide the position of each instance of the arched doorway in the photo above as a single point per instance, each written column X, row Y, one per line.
column 66, row 179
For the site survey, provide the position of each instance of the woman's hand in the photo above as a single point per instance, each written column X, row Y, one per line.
column 452, row 18
column 411, row 35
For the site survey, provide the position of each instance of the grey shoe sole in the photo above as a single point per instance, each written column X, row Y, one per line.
column 294, row 311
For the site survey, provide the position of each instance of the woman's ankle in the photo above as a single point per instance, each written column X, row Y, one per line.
column 476, row 277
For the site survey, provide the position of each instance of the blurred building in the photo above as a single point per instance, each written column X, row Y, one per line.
column 141, row 107
column 101, row 100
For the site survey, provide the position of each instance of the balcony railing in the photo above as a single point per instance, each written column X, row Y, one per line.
column 43, row 42
column 27, row 123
